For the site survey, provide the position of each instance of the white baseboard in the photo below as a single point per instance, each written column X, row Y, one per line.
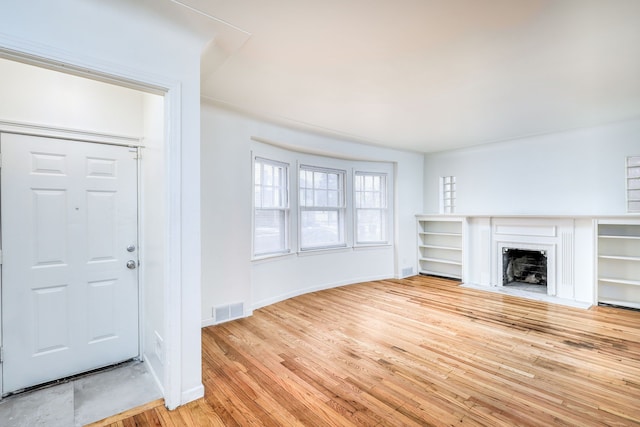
column 299, row 292
column 153, row 373
column 192, row 394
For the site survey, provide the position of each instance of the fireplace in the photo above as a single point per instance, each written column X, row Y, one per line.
column 524, row 267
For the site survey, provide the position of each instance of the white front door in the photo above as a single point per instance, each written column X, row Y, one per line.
column 69, row 229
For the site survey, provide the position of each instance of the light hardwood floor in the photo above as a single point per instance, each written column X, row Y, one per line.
column 415, row 352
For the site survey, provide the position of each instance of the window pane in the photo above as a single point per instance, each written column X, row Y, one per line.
column 270, row 229
column 267, row 177
column 319, row 180
column 333, row 199
column 634, row 206
column 267, row 197
column 320, row 198
column 371, row 212
column 333, row 181
column 323, row 189
column 271, row 195
column 371, row 225
column 320, row 229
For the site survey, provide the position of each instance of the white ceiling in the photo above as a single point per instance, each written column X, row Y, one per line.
column 425, row 75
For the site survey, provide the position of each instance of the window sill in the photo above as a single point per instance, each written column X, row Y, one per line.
column 266, row 258
column 371, row 246
column 319, row 251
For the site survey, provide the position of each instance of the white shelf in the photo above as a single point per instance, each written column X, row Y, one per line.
column 620, row 258
column 446, row 248
column 441, row 261
column 611, row 236
column 439, row 233
column 440, row 246
column 622, row 303
column 619, row 281
column 619, row 262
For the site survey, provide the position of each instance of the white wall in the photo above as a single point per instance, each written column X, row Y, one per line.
column 229, row 276
column 579, row 172
column 153, row 243
column 34, row 95
column 129, row 40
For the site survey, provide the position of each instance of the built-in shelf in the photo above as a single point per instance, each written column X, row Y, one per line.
column 442, row 261
column 439, row 233
column 449, row 248
column 619, row 281
column 623, row 258
column 621, row 303
column 619, row 262
column 619, row 237
column 440, row 246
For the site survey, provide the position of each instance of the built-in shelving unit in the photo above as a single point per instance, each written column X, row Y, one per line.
column 440, row 246
column 619, row 262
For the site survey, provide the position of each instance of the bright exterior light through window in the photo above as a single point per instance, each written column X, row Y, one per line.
column 633, row 184
column 271, row 203
column 371, row 207
column 322, row 207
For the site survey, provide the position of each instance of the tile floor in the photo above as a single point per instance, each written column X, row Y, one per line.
column 83, row 400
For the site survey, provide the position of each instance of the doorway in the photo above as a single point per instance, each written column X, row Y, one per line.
column 70, row 257
column 58, row 105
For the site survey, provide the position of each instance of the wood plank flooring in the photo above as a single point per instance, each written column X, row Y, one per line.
column 415, row 352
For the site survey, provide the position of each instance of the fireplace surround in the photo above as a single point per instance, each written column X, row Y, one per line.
column 567, row 242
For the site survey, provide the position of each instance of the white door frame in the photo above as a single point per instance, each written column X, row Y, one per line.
column 46, row 57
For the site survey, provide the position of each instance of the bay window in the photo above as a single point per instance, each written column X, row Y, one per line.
column 306, row 204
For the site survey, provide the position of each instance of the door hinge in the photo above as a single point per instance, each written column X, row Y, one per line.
column 1, row 355
column 0, row 160
column 0, row 256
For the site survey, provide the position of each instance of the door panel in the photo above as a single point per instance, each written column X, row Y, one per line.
column 69, row 302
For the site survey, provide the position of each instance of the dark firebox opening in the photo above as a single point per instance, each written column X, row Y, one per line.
column 524, row 266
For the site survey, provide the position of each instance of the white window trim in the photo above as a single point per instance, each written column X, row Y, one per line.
column 294, row 159
column 286, row 209
column 447, row 194
column 342, row 209
column 388, row 208
column 632, row 163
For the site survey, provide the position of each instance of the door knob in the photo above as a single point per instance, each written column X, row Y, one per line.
column 131, row 264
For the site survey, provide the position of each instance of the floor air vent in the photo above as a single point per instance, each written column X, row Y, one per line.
column 224, row 313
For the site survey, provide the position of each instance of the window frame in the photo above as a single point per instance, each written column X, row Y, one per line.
column 448, row 194
column 285, row 206
column 293, row 159
column 383, row 209
column 632, row 172
column 340, row 208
